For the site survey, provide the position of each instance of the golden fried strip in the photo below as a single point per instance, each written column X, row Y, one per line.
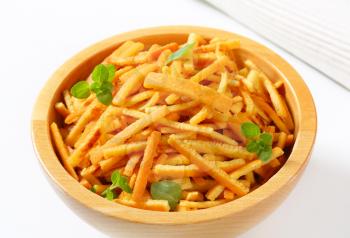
column 177, row 171
column 192, row 196
column 137, row 126
column 157, row 51
column 214, row 192
column 188, row 88
column 182, row 171
column 177, row 159
column 223, row 45
column 207, row 131
column 83, row 135
column 229, row 195
column 68, row 101
column 146, row 165
column 132, row 50
column 133, row 83
column 176, row 107
column 140, row 58
column 62, row 149
column 223, row 82
column 212, row 157
column 279, row 104
column 151, row 102
column 139, row 98
column 124, row 149
column 172, row 98
column 93, row 110
column 121, row 49
column 75, row 115
column 282, row 139
column 78, row 154
column 218, row 174
column 210, row 147
column 186, row 135
column 200, row 116
column 131, row 164
column 61, row 109
column 272, row 114
column 217, row 65
column 111, row 163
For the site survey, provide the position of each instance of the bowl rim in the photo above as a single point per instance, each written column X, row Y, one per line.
column 295, row 164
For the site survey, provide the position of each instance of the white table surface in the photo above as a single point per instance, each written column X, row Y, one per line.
column 38, row 36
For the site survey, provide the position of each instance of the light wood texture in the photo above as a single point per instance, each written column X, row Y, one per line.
column 233, row 217
column 300, row 29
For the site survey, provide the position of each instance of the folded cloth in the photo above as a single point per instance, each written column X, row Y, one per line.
column 315, row 31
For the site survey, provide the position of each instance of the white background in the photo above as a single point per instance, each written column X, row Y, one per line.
column 38, row 36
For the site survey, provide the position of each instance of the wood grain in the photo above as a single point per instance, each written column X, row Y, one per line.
column 233, row 217
column 314, row 39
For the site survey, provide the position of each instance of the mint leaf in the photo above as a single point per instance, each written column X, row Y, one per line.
column 183, row 51
column 100, row 73
column 266, row 154
column 105, row 97
column 93, row 189
column 80, row 90
column 102, row 85
column 266, row 138
column 167, row 190
column 260, row 144
column 111, row 72
column 250, row 130
column 253, row 146
column 119, row 181
column 95, row 87
column 106, row 86
column 109, row 194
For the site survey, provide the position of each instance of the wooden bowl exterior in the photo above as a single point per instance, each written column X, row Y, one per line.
column 233, row 217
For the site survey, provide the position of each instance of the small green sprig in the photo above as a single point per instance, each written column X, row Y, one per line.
column 183, row 51
column 258, row 143
column 118, row 181
column 93, row 189
column 102, row 86
column 167, row 190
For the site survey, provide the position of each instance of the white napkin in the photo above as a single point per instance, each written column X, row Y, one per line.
column 316, row 31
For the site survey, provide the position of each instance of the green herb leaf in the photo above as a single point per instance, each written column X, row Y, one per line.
column 167, row 190
column 106, row 86
column 183, row 51
column 109, row 194
column 80, row 90
column 111, row 72
column 253, row 146
column 266, row 154
column 100, row 73
column 119, row 181
column 105, row 97
column 103, row 76
column 93, row 189
column 260, row 144
column 250, row 130
column 266, row 138
column 95, row 87
column 98, row 87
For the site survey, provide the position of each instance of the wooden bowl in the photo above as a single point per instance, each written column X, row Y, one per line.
column 230, row 218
